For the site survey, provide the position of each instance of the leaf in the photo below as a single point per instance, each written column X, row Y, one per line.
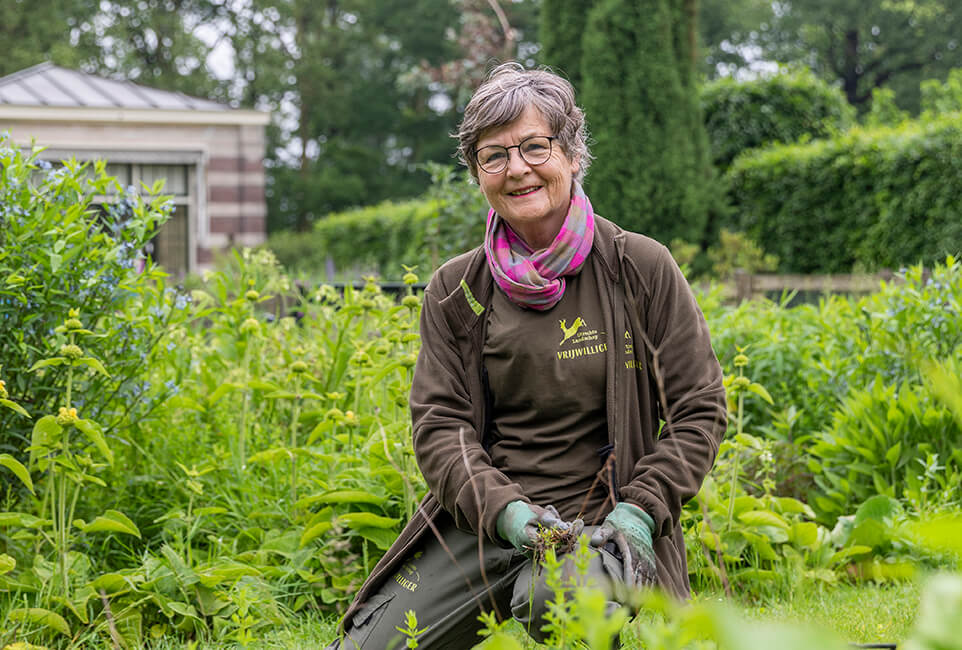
column 95, row 364
column 805, row 534
column 788, row 505
column 260, row 384
column 14, row 406
column 92, row 430
column 849, row 552
column 112, row 521
column 46, row 431
column 892, row 455
column 40, row 616
column 358, row 520
column 312, row 533
column 21, row 519
column 759, row 390
column 225, row 571
column 270, row 456
column 941, row 534
column 878, row 507
column 44, row 363
column 111, row 583
column 184, row 402
column 382, row 538
column 763, row 518
column 345, row 496
column 18, row 469
column 7, row 563
column 222, row 390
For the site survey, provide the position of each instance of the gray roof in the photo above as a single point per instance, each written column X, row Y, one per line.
column 46, row 84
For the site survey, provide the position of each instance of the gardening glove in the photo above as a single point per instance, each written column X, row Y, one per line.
column 520, row 521
column 629, row 528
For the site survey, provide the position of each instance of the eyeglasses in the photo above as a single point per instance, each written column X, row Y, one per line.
column 534, row 150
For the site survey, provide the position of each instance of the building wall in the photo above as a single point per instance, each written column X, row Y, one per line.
column 230, row 211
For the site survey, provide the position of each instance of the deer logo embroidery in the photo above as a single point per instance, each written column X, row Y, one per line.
column 571, row 331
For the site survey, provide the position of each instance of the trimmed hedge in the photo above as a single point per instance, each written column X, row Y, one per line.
column 379, row 239
column 783, row 108
column 867, row 200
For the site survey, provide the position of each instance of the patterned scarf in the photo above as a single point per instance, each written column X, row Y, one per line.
column 535, row 279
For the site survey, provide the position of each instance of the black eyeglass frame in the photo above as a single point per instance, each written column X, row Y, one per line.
column 507, row 154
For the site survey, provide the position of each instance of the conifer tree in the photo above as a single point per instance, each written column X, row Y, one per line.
column 651, row 171
column 563, row 24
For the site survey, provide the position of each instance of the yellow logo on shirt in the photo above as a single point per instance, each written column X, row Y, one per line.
column 571, row 331
column 580, row 333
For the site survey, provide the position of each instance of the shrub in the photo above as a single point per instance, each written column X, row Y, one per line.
column 782, row 108
column 58, row 251
column 869, row 199
column 380, row 239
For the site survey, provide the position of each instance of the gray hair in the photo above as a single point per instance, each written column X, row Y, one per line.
column 504, row 95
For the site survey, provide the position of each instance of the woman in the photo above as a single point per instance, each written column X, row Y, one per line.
column 549, row 356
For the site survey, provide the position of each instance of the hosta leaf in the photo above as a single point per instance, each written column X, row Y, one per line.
column 788, row 505
column 18, row 469
column 849, row 552
column 357, row 520
column 878, row 507
column 40, row 616
column 7, row 563
column 763, row 518
column 16, row 407
column 314, row 531
column 805, row 534
column 112, row 521
column 92, row 430
column 90, row 362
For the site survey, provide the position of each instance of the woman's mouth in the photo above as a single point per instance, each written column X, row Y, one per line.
column 525, row 191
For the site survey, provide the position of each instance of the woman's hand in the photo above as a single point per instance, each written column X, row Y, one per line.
column 520, row 521
column 629, row 528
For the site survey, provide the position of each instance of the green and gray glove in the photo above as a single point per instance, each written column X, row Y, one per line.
column 629, row 528
column 519, row 522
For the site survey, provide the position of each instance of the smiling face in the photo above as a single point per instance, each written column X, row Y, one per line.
column 533, row 199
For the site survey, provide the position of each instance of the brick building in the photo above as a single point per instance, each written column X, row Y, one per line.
column 210, row 155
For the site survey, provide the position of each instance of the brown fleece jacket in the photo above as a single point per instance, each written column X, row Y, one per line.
column 661, row 367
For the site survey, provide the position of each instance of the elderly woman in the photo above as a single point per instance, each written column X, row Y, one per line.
column 565, row 378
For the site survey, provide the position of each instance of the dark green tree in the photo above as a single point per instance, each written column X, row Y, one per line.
column 651, row 171
column 43, row 30
column 563, row 24
column 861, row 44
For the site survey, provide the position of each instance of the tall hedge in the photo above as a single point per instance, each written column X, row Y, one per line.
column 562, row 25
column 781, row 108
column 651, row 171
column 866, row 200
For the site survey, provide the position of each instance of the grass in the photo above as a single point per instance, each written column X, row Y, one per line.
column 856, row 613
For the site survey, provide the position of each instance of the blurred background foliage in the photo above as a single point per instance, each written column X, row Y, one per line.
column 365, row 95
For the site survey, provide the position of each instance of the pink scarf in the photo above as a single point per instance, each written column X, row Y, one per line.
column 535, row 279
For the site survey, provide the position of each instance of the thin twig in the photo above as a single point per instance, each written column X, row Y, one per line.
column 114, row 634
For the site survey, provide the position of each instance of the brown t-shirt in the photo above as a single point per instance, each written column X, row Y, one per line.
column 546, row 372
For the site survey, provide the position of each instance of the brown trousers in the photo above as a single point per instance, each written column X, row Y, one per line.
column 449, row 584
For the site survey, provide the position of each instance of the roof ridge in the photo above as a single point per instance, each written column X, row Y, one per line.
column 14, row 76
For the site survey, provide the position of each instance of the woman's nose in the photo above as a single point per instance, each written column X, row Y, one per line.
column 517, row 165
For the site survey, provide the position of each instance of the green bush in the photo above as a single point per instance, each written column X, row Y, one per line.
column 380, row 239
column 782, row 108
column 868, row 199
column 58, row 251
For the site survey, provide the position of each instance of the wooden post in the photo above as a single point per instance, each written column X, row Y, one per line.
column 743, row 285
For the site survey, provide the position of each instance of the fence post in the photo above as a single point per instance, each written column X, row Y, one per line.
column 743, row 285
